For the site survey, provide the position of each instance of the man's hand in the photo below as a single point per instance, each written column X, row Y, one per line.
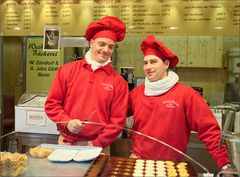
column 229, row 172
column 74, row 126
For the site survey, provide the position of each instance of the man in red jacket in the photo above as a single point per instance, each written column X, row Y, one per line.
column 168, row 111
column 90, row 87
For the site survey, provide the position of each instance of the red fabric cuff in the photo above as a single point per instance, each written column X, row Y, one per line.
column 97, row 143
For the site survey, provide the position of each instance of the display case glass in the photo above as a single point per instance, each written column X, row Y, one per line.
column 32, row 99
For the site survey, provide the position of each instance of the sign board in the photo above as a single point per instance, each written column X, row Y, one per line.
column 41, row 66
column 162, row 17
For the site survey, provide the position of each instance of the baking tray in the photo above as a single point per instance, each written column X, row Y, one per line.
column 123, row 166
column 97, row 166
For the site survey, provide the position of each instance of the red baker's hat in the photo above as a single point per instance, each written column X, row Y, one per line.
column 108, row 27
column 151, row 46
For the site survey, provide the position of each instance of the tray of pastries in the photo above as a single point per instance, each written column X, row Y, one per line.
column 122, row 166
column 12, row 164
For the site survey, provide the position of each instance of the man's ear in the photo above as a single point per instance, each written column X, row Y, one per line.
column 91, row 43
column 167, row 63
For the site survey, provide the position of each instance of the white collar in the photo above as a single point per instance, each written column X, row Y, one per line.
column 95, row 65
column 161, row 86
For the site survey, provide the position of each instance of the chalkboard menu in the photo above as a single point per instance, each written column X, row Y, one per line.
column 162, row 17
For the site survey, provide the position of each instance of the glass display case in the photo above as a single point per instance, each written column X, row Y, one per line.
column 30, row 116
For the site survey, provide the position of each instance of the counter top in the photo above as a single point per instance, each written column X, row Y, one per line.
column 44, row 167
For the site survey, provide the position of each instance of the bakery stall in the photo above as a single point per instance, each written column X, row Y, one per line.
column 38, row 36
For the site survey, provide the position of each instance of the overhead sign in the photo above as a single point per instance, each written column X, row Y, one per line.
column 163, row 17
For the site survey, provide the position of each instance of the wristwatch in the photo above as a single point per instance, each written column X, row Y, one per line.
column 226, row 166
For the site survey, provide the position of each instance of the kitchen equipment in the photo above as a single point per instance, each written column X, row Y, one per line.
column 232, row 92
column 232, row 141
column 233, row 55
column 127, row 74
column 232, row 88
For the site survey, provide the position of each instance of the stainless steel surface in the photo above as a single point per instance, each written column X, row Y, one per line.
column 28, row 140
column 233, row 145
column 44, row 167
column 232, row 92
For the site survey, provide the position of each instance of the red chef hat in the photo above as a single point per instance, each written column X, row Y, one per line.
column 151, row 46
column 108, row 27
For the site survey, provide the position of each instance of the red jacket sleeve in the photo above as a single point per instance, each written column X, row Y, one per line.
column 202, row 121
column 54, row 102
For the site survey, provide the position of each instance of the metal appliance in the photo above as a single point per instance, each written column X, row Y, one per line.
column 127, row 74
column 233, row 146
column 232, row 92
column 232, row 89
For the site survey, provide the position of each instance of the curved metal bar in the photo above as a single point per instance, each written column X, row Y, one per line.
column 152, row 138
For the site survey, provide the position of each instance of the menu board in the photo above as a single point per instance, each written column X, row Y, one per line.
column 163, row 17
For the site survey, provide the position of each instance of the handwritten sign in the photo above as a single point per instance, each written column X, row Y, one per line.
column 41, row 66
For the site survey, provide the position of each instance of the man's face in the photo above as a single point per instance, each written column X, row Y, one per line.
column 101, row 49
column 155, row 68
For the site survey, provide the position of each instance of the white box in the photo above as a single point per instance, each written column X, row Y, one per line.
column 30, row 117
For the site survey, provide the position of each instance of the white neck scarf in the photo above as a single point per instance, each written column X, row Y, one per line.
column 95, row 65
column 161, row 86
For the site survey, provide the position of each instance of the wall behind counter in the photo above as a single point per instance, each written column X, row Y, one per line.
column 12, row 67
column 212, row 80
column 128, row 54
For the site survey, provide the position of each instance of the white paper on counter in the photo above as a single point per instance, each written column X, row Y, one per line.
column 64, row 153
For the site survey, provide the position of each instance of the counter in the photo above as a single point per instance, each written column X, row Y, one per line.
column 27, row 140
column 120, row 147
column 44, row 167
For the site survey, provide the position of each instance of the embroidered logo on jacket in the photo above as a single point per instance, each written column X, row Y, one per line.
column 170, row 104
column 107, row 86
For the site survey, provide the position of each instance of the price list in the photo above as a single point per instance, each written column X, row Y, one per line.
column 150, row 18
column 183, row 17
column 236, row 15
column 13, row 19
column 27, row 18
column 66, row 15
column 51, row 14
column 125, row 16
column 104, row 8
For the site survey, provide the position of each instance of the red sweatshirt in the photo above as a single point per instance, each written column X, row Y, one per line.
column 77, row 91
column 170, row 118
